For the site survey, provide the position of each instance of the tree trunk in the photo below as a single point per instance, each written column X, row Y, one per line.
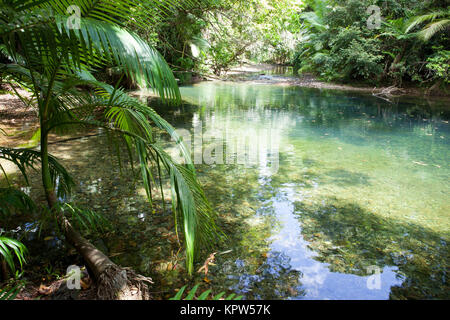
column 394, row 66
column 4, row 270
column 113, row 282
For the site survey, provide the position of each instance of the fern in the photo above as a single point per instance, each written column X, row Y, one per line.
column 204, row 295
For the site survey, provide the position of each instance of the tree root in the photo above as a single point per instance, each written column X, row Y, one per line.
column 113, row 282
column 116, row 283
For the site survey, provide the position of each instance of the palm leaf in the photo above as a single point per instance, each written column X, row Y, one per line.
column 48, row 41
column 14, row 200
column 433, row 28
column 26, row 159
column 418, row 20
column 10, row 249
column 10, row 294
column 132, row 120
column 203, row 296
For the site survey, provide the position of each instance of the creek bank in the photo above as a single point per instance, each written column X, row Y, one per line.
column 282, row 75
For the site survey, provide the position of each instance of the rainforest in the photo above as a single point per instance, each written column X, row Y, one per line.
column 224, row 150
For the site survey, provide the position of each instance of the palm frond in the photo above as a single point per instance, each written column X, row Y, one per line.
column 26, row 159
column 132, row 120
column 418, row 20
column 10, row 249
column 10, row 294
column 14, row 200
column 190, row 206
column 433, row 28
column 203, row 296
column 48, row 42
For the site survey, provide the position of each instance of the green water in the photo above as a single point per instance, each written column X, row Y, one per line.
column 329, row 187
column 353, row 183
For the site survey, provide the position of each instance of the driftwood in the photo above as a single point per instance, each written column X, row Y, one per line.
column 388, row 93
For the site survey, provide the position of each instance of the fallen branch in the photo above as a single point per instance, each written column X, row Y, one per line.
column 388, row 93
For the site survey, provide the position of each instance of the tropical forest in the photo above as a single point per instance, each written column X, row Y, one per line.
column 224, row 150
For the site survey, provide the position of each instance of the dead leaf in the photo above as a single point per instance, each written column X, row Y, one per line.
column 86, row 283
column 208, row 262
column 206, row 280
column 43, row 289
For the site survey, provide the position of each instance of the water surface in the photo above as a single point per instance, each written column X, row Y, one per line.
column 360, row 185
column 330, row 188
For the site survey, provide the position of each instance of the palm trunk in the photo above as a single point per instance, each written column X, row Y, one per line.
column 113, row 282
column 4, row 270
column 394, row 66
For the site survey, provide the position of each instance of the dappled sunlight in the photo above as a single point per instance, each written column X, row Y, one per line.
column 340, row 155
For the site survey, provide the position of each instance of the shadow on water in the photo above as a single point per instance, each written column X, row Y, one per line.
column 356, row 157
column 289, row 248
column 350, row 239
column 345, row 177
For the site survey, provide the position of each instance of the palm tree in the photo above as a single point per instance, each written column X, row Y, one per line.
column 438, row 21
column 53, row 60
column 397, row 29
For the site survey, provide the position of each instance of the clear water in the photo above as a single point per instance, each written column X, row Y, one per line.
column 349, row 184
column 362, row 185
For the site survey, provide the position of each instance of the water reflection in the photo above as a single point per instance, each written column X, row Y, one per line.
column 361, row 183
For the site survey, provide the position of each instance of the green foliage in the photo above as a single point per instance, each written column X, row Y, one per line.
column 338, row 45
column 215, row 35
column 14, row 201
column 439, row 64
column 11, row 249
column 10, row 294
column 204, row 295
column 356, row 56
column 54, row 61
